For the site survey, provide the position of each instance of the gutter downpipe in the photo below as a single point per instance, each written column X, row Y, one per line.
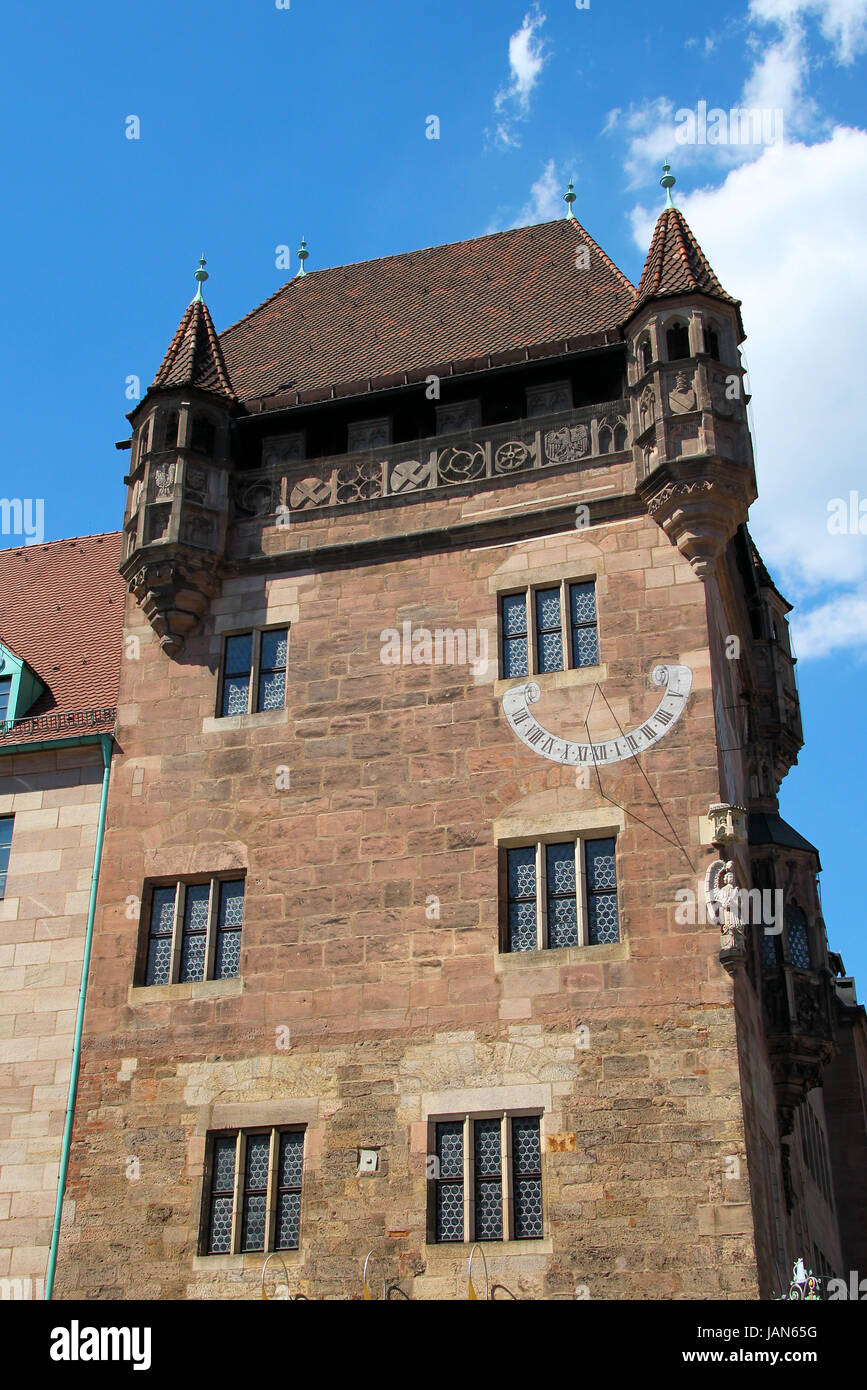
column 106, row 740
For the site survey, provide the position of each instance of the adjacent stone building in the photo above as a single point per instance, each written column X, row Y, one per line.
column 445, row 895
column 61, row 618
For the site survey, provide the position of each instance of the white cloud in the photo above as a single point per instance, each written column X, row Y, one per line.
column 786, row 235
column 776, row 82
column 544, row 204
column 843, row 22
column 836, row 625
column 527, row 57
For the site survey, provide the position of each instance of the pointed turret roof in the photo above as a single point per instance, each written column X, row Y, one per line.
column 676, row 264
column 195, row 357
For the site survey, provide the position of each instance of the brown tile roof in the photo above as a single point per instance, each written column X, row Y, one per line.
column 194, row 357
column 61, row 610
column 676, row 264
column 401, row 314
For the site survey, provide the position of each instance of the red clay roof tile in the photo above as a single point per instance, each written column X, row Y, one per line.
column 676, row 264
column 402, row 314
column 61, row 610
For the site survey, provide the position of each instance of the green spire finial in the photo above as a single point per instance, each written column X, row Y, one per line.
column 668, row 181
column 201, row 276
column 569, row 197
column 303, row 253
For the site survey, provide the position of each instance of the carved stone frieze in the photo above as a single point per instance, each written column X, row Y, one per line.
column 567, row 445
column 309, row 492
column 409, row 475
column 461, row 465
column 359, row 481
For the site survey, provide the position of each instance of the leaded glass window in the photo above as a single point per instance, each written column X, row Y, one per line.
column 272, row 670
column 236, row 674
column 603, row 925
column 488, row 1179
column 255, row 1197
column 227, row 962
column 798, row 938
column 534, row 640
column 585, row 632
column 290, row 1161
column 504, row 1158
column 194, row 943
column 254, row 672
column 527, row 1177
column 767, row 948
column 222, row 1197
column 522, row 924
column 449, row 1180
column 194, row 932
column 162, row 925
column 549, row 630
column 5, row 850
column 560, row 894
column 515, row 635
column 5, row 696
column 262, row 1171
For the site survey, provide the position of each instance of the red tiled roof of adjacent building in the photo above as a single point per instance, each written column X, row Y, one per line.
column 194, row 357
column 467, row 300
column 61, row 611
column 676, row 264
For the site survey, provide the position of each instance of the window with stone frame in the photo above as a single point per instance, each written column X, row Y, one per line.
column 549, row 628
column 251, row 1198
column 5, row 850
column 253, row 677
column 798, row 938
column 191, row 931
column 677, row 341
column 557, row 892
column 485, row 1178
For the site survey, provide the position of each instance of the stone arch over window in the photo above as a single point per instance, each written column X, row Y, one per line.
column 677, row 340
column 203, row 435
column 798, row 938
column 645, row 354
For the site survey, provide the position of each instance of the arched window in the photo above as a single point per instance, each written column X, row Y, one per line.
column 711, row 342
column 798, row 938
column 677, row 341
column 204, row 435
column 645, row 355
column 169, row 429
column 619, row 435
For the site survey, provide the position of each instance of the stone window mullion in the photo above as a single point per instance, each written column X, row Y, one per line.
column 469, row 1180
column 581, row 894
column 508, row 1204
column 541, row 898
column 238, row 1197
column 271, row 1199
column 178, row 932
column 211, row 940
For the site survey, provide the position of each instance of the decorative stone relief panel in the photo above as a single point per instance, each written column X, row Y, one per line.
column 163, row 480
column 681, row 395
column 369, row 434
column 514, row 454
column 461, row 465
column 462, row 415
column 358, row 481
column 568, row 444
column 549, row 399
column 409, row 475
column 196, row 484
column 257, row 498
column 286, row 448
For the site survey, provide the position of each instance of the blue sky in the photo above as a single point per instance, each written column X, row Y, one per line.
column 258, row 124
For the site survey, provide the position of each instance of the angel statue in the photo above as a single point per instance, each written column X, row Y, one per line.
column 723, row 901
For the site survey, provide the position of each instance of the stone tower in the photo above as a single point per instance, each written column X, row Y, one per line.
column 178, row 483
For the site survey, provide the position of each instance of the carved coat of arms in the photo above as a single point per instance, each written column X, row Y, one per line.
column 568, row 444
